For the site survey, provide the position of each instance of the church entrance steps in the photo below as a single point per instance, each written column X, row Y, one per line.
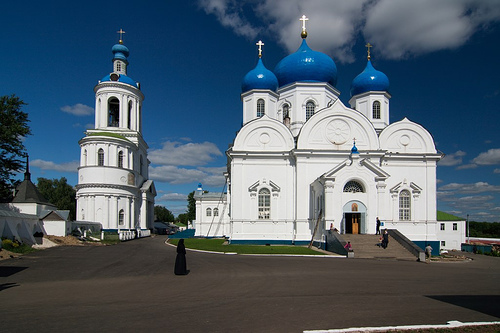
column 365, row 246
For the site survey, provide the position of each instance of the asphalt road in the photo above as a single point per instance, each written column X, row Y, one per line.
column 130, row 287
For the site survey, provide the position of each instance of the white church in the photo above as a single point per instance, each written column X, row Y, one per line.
column 113, row 186
column 303, row 162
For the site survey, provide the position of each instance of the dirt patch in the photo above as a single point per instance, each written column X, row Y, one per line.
column 4, row 254
column 66, row 240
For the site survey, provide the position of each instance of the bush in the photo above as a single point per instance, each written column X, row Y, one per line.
column 16, row 247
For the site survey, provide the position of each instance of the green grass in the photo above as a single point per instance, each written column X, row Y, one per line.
column 217, row 245
column 442, row 216
column 11, row 246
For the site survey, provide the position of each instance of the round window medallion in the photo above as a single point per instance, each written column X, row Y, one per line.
column 264, row 138
column 338, row 131
column 404, row 140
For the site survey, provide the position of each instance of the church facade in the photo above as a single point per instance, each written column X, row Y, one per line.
column 303, row 162
column 113, row 184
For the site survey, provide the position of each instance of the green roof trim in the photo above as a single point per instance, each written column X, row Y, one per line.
column 442, row 216
column 113, row 135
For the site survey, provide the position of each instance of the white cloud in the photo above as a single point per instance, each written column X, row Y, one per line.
column 479, row 187
column 396, row 28
column 49, row 165
column 174, row 175
column 174, row 153
column 228, row 13
column 78, row 110
column 496, row 171
column 466, row 166
column 491, row 157
column 172, row 197
column 452, row 159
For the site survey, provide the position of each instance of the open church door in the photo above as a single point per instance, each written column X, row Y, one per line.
column 354, row 217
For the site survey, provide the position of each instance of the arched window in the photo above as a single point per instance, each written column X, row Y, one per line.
column 85, row 157
column 118, row 66
column 353, row 187
column 129, row 121
column 286, row 111
column 404, row 205
column 261, row 108
column 310, row 106
column 264, row 204
column 121, row 217
column 141, row 164
column 120, row 159
column 113, row 113
column 100, row 157
column 209, row 211
column 216, row 211
column 376, row 110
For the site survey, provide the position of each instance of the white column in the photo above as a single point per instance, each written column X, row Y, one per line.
column 329, row 212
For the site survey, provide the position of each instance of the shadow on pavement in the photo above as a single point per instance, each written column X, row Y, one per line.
column 6, row 271
column 487, row 304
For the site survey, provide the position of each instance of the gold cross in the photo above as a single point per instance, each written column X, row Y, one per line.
column 260, row 44
column 121, row 32
column 368, row 45
column 303, row 19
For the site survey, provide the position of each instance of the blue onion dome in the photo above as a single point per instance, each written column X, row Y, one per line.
column 120, row 78
column 369, row 80
column 306, row 65
column 120, row 51
column 259, row 78
column 354, row 149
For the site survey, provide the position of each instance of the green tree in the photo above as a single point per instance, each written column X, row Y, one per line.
column 59, row 193
column 13, row 128
column 163, row 214
column 183, row 218
column 191, row 213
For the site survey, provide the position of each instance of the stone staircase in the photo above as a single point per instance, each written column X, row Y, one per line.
column 365, row 246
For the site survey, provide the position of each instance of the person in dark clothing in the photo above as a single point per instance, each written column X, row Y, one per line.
column 385, row 239
column 180, row 260
column 378, row 227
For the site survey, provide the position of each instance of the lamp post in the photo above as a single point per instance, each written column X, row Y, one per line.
column 468, row 235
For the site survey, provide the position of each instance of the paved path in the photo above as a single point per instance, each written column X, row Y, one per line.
column 130, row 287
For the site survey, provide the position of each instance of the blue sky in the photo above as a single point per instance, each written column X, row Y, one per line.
column 190, row 57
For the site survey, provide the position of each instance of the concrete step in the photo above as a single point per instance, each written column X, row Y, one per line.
column 366, row 246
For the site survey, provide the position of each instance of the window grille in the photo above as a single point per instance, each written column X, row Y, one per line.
column 353, row 187
column 264, row 204
column 261, row 109
column 404, row 205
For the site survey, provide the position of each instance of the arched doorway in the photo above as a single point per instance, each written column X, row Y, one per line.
column 354, row 217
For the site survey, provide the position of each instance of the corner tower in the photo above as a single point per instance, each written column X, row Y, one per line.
column 113, row 186
column 370, row 96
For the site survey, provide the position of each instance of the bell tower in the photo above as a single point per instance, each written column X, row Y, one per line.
column 113, row 186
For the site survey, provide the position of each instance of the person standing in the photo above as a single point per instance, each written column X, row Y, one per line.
column 180, row 261
column 428, row 251
column 385, row 239
column 378, row 227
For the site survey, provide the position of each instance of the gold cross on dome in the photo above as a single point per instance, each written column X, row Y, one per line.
column 303, row 19
column 368, row 45
column 121, row 32
column 260, row 44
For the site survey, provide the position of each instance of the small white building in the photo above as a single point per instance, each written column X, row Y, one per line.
column 303, row 162
column 114, row 188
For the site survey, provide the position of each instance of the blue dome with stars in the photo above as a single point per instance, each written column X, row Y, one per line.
column 259, row 78
column 369, row 80
column 306, row 65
